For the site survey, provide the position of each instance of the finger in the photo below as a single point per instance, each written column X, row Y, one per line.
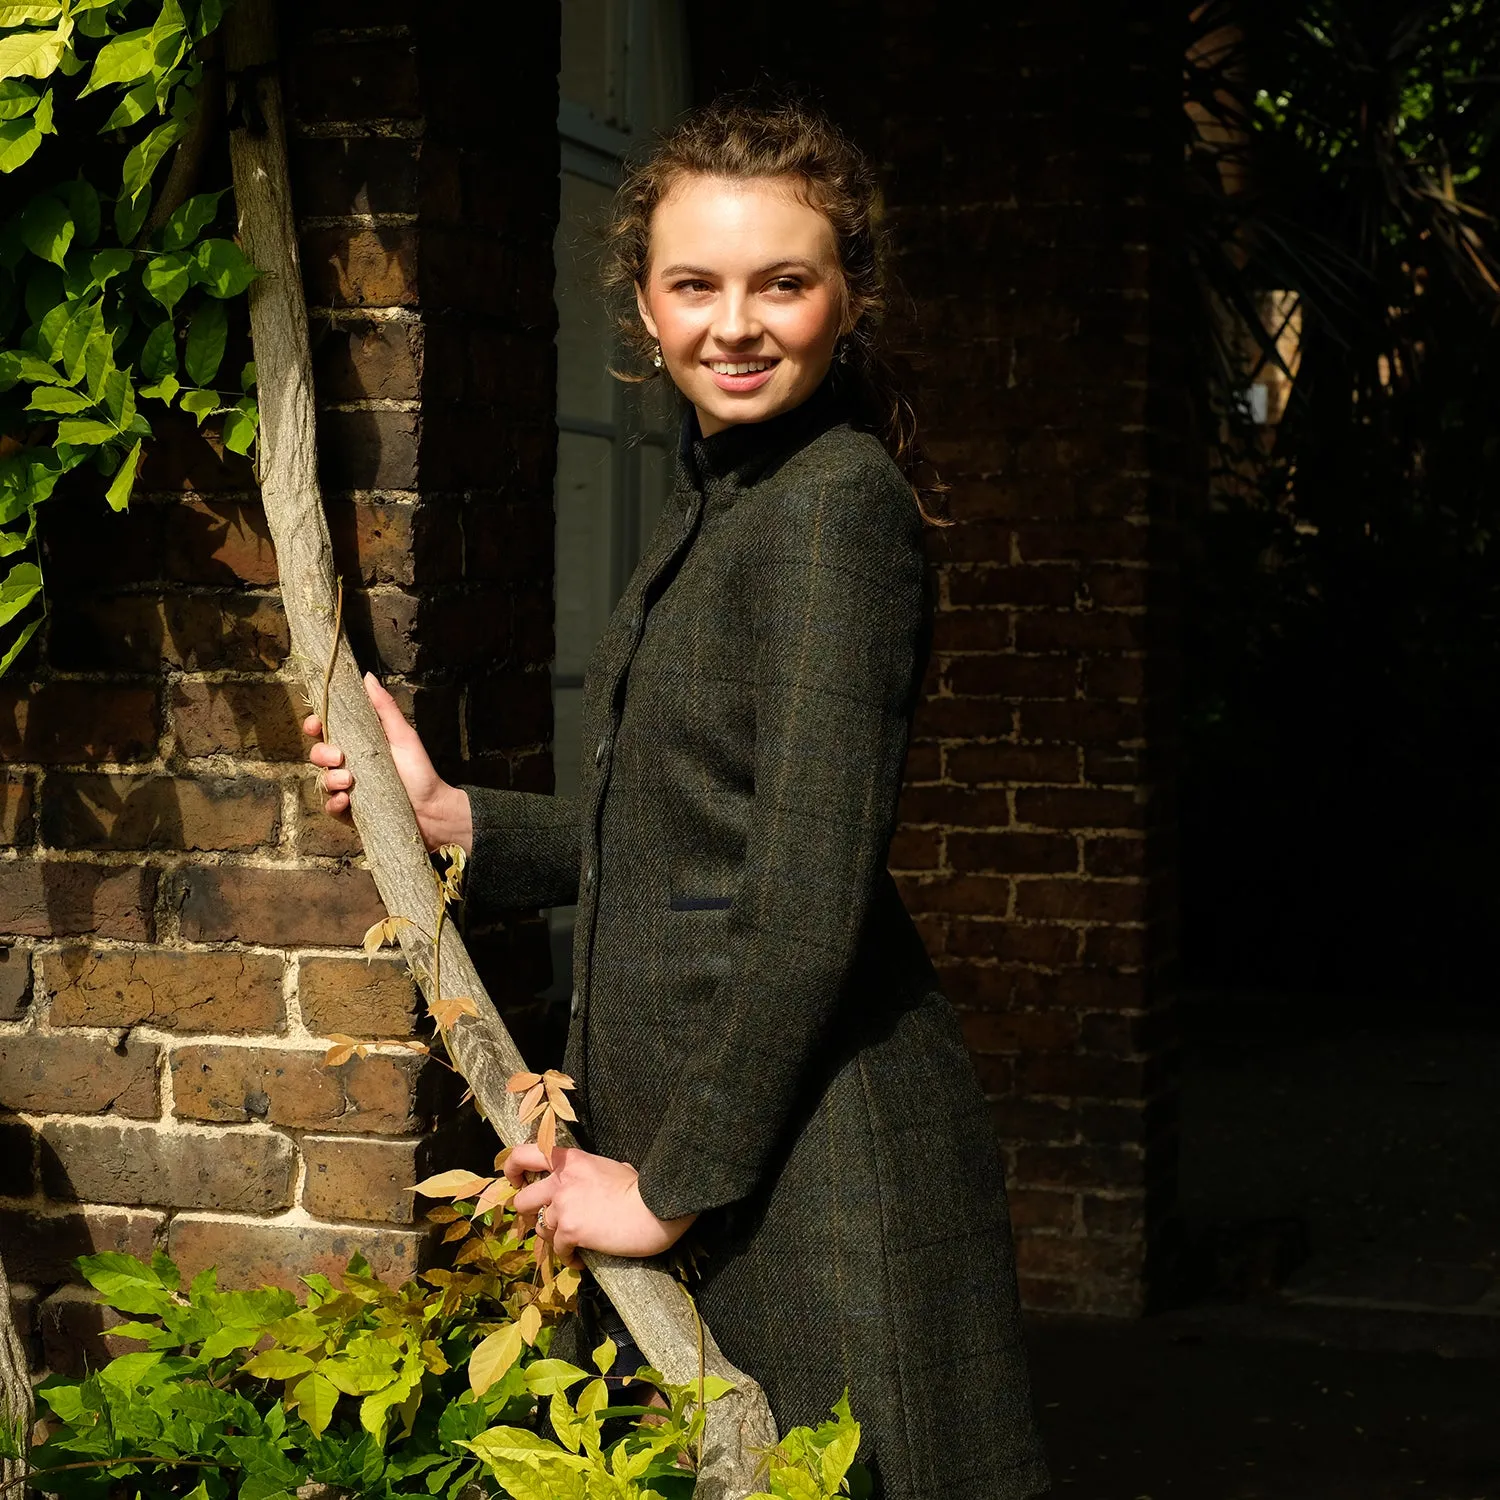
column 392, row 720
column 337, row 805
column 338, row 780
column 533, row 1196
column 313, row 725
column 325, row 755
column 565, row 1248
column 523, row 1159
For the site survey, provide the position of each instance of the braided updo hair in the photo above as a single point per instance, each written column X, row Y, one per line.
column 741, row 136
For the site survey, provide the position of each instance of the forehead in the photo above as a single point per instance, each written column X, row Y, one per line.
column 722, row 222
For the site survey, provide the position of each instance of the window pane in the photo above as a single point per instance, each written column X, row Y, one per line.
column 585, row 340
column 590, row 44
column 584, row 547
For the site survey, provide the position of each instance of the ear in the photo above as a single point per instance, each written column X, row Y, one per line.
column 645, row 311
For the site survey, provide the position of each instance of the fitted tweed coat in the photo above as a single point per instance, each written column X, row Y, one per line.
column 756, row 1026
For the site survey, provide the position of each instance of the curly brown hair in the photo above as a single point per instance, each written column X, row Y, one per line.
column 741, row 136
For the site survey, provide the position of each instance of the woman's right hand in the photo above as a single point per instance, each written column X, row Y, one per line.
column 442, row 810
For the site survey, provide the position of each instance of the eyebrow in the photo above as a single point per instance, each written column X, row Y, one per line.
column 780, row 265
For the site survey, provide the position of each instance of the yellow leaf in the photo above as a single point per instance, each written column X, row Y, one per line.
column 473, row 1251
column 442, row 1214
column 447, row 1012
column 457, row 1231
column 500, row 1191
column 546, row 1134
column 532, row 1103
column 520, row 1082
column 493, row 1356
column 568, row 1281
column 343, row 1049
column 559, row 1100
column 604, row 1356
column 552, row 1075
column 421, row 1047
column 383, row 932
column 457, row 1183
column 530, row 1323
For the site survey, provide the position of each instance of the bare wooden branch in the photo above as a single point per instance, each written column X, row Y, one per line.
column 653, row 1306
column 16, row 1408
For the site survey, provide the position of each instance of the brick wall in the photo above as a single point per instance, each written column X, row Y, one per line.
column 177, row 913
column 1030, row 155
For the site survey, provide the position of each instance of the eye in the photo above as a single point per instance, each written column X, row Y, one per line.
column 691, row 284
column 787, row 284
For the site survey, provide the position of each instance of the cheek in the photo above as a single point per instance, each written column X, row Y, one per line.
column 810, row 327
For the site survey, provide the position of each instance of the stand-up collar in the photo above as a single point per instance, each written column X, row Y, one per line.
column 740, row 456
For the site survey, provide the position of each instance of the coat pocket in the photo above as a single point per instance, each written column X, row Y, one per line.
column 700, row 903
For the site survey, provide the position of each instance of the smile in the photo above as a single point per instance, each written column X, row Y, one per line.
column 740, row 377
column 739, row 367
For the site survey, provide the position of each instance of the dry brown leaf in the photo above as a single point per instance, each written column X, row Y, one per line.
column 459, row 1182
column 546, row 1134
column 518, row 1083
column 500, row 1191
column 343, row 1049
column 383, row 932
column 471, row 1252
column 530, row 1323
column 442, row 1214
column 447, row 1012
column 421, row 1047
column 457, row 1231
column 559, row 1100
column 532, row 1103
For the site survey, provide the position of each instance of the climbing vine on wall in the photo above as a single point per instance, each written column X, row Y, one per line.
column 115, row 268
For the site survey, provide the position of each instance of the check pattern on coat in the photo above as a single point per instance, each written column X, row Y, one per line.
column 756, row 1024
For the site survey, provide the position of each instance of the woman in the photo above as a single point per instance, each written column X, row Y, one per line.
column 756, row 1026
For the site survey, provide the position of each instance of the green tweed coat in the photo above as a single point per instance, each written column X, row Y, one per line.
column 756, row 1026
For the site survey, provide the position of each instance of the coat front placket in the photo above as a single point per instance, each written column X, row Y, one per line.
column 606, row 694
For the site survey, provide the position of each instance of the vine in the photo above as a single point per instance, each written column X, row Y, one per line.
column 113, row 294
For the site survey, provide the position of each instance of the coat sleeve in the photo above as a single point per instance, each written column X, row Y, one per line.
column 525, row 851
column 838, row 629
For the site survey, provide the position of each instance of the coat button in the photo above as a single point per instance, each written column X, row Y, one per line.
column 588, row 878
column 600, row 748
column 575, row 1005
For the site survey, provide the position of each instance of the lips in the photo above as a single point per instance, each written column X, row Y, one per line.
column 740, row 375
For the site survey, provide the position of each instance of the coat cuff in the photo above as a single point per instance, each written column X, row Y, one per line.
column 525, row 851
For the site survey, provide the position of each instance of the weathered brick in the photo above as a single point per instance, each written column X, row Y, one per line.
column 1079, row 1075
column 1007, row 675
column 233, row 1171
column 333, row 178
column 1120, row 1218
column 1085, row 1167
column 197, row 632
column 159, row 812
column 1081, row 807
column 282, row 906
column 17, row 1156
column 366, row 1180
column 15, row 981
column 916, row 849
column 975, row 894
column 375, row 1095
column 42, row 1244
column 61, row 722
column 15, row 808
column 359, row 998
column 367, row 360
column 1081, row 900
column 355, row 79
column 1020, row 1031
column 73, row 1075
column 53, row 898
column 117, row 547
column 1115, row 857
column 180, row 991
column 74, row 1326
column 262, row 720
column 255, row 1255
column 1079, row 722
column 373, row 266
column 1012, row 853
column 1031, row 1210
column 955, row 807
column 980, row 765
column 316, row 831
column 1077, row 1257
column 1030, row 586
column 1035, row 943
column 218, row 541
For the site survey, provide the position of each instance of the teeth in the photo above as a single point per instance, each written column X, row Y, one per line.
column 751, row 367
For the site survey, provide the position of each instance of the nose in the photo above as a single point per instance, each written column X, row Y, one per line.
column 735, row 322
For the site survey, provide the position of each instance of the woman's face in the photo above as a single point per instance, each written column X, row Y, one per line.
column 744, row 294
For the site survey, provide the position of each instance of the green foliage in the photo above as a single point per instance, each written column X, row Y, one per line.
column 103, row 322
column 376, row 1390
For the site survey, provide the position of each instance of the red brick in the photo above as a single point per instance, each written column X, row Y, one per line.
column 360, row 267
column 373, row 540
column 1080, row 807
column 367, row 360
column 1115, row 677
column 916, row 849
column 1101, row 989
column 218, row 541
column 369, row 1181
column 1080, row 1076
column 16, row 824
column 1118, row 588
column 198, row 632
column 955, row 807
column 1030, row 586
column 1078, row 1166
column 976, row 630
column 509, row 543
column 1082, row 722
column 42, row 1244
column 355, row 79
column 75, row 1333
column 980, row 539
column 339, row 176
column 15, row 981
column 1010, row 676
column 159, row 812
column 1081, row 542
column 366, row 450
column 262, row 720
column 233, row 1171
column 50, row 898
column 1030, row 1210
column 255, row 1255
column 1030, row 1122
column 180, row 991
column 280, row 906
column 1019, row 1031
column 965, row 718
column 72, row 1075
column 230, row 1085
column 979, row 765
column 1013, row 853
column 117, row 547
column 1113, row 948
column 996, row 1074
column 61, row 722
column 1120, row 1218
column 1097, row 630
column 979, row 894
column 924, row 763
column 1074, row 1256
column 1115, row 857
column 1032, row 944
column 1081, row 900
column 17, row 1159
column 316, row 831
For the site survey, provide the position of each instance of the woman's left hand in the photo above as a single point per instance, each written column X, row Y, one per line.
column 592, row 1203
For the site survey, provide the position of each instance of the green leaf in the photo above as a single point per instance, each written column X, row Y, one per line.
column 247, row 376
column 17, row 646
column 58, row 399
column 223, row 269
column 18, row 142
column 159, row 352
column 47, row 229
column 16, row 99
column 278, row 1364
column 109, row 263
column 167, row 277
column 128, row 57
column 130, row 214
column 210, row 13
column 33, row 54
column 84, row 433
column 42, row 114
column 316, row 1399
column 200, row 403
column 83, row 200
column 117, row 391
column 20, row 586
column 165, row 389
column 17, row 13
column 545, row 1376
column 118, row 493
column 190, row 220
column 207, row 335
column 143, row 158
column 136, row 104
column 18, row 364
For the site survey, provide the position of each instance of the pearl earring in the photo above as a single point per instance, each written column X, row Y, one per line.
column 656, row 358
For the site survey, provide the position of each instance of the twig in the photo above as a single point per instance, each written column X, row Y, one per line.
column 333, row 656
column 109, row 1463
